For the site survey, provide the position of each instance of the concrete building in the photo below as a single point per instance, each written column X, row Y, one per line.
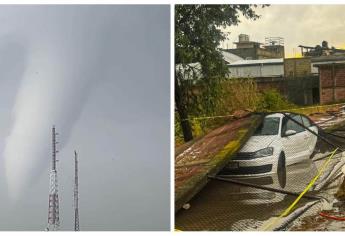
column 251, row 50
column 257, row 68
column 291, row 77
column 332, row 79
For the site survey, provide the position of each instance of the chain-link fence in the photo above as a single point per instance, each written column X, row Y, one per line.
column 289, row 169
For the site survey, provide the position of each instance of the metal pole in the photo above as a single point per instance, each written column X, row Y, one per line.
column 76, row 207
column 263, row 187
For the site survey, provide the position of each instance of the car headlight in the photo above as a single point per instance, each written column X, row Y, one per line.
column 264, row 152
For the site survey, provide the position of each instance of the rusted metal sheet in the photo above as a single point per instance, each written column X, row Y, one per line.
column 208, row 155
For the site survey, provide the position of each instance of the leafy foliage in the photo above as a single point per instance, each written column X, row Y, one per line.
column 272, row 100
column 237, row 94
column 240, row 94
column 199, row 62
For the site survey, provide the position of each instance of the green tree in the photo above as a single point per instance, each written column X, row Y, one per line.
column 199, row 65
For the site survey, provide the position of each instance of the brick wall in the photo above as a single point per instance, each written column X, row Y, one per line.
column 332, row 83
column 298, row 91
column 326, row 96
column 326, row 77
column 340, row 77
column 277, row 84
column 340, row 93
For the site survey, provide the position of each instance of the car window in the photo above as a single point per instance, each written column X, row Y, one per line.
column 269, row 126
column 306, row 121
column 288, row 124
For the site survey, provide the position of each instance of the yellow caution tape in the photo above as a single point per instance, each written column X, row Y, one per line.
column 207, row 117
column 287, row 110
column 312, row 182
column 324, row 165
column 320, row 106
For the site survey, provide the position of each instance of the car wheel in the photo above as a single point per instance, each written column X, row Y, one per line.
column 281, row 170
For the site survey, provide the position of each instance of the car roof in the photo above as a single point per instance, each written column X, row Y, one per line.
column 275, row 115
column 280, row 115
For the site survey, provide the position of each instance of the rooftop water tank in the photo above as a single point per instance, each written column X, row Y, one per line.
column 243, row 38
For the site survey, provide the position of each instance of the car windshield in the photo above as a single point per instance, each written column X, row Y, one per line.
column 269, row 126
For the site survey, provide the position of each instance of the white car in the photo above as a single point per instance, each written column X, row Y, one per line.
column 276, row 143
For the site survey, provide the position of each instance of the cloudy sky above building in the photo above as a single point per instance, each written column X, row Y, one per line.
column 297, row 24
column 100, row 74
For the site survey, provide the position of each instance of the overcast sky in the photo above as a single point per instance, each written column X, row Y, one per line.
column 101, row 75
column 297, row 24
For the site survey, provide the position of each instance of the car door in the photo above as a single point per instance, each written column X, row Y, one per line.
column 312, row 138
column 293, row 145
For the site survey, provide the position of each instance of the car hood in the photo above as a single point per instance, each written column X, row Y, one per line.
column 256, row 143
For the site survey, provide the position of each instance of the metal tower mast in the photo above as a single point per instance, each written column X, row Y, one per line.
column 53, row 207
column 76, row 197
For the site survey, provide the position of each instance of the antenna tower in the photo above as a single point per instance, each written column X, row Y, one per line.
column 53, row 206
column 76, row 197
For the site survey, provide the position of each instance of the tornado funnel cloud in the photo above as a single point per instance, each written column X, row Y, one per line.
column 66, row 58
column 53, row 90
column 46, row 97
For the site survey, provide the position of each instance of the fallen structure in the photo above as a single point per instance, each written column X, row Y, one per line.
column 208, row 155
column 205, row 157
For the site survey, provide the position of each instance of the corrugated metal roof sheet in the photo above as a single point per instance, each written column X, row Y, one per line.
column 256, row 62
column 328, row 58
